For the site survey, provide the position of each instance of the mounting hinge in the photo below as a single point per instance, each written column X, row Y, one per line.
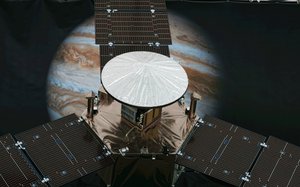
column 45, row 179
column 107, row 153
column 263, row 144
column 110, row 44
column 19, row 145
column 123, row 151
column 247, row 177
column 80, row 120
column 180, row 153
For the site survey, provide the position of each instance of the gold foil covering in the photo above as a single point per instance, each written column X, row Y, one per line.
column 170, row 130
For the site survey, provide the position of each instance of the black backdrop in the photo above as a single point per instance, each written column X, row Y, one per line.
column 258, row 46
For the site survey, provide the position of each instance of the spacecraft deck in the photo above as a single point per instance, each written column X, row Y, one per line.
column 171, row 130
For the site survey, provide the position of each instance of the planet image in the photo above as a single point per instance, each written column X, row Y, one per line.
column 75, row 70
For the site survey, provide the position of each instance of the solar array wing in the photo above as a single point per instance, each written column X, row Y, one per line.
column 277, row 165
column 221, row 150
column 132, row 22
column 65, row 150
column 15, row 169
column 158, row 5
column 107, row 52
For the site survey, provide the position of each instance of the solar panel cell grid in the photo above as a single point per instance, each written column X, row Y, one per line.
column 61, row 157
column 277, row 165
column 15, row 169
column 131, row 26
column 130, row 5
column 221, row 150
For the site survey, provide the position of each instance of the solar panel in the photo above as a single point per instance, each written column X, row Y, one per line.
column 221, row 150
column 107, row 52
column 15, row 169
column 65, row 150
column 277, row 165
column 132, row 22
column 158, row 5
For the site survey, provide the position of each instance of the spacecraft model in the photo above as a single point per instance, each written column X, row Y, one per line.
column 140, row 110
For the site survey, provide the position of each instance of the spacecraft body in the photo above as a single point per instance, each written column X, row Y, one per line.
column 143, row 82
column 141, row 85
column 142, row 93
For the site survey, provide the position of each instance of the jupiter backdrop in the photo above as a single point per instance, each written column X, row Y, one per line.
column 75, row 70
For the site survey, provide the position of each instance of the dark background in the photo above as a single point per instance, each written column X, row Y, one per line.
column 258, row 46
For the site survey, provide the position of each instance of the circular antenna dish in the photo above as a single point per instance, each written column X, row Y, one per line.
column 144, row 79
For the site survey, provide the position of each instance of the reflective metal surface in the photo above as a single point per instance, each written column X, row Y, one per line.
column 116, row 133
column 144, row 79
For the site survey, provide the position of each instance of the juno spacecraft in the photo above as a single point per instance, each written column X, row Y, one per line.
column 140, row 111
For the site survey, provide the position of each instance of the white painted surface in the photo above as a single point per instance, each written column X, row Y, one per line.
column 144, row 79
